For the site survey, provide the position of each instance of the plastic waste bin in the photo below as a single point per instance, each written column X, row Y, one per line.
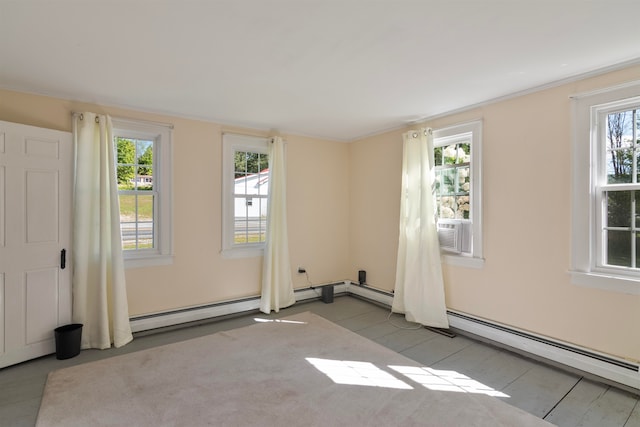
column 68, row 339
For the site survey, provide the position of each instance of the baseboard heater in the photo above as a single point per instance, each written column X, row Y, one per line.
column 606, row 359
column 225, row 308
column 597, row 364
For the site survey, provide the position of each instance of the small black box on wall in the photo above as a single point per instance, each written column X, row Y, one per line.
column 362, row 277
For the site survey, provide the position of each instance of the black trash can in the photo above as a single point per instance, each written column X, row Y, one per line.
column 68, row 339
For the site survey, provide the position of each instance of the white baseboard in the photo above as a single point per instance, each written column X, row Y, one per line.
column 598, row 364
column 193, row 314
column 586, row 360
column 370, row 293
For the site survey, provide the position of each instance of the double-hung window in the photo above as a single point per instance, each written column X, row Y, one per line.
column 245, row 194
column 606, row 189
column 143, row 152
column 458, row 188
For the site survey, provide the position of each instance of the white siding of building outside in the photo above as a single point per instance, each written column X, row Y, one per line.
column 257, row 184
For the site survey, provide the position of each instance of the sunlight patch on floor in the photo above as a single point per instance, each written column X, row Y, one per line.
column 295, row 322
column 367, row 374
column 357, row 373
column 442, row 380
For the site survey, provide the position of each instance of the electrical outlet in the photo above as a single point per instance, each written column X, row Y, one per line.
column 301, row 270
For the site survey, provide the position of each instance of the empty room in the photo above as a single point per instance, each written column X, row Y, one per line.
column 320, row 213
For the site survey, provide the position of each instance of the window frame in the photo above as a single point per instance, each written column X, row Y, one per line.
column 589, row 167
column 161, row 135
column 231, row 143
column 443, row 137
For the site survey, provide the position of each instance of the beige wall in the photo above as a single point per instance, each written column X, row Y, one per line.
column 317, row 199
column 527, row 223
column 343, row 206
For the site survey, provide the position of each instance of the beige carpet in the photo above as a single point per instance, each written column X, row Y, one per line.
column 299, row 371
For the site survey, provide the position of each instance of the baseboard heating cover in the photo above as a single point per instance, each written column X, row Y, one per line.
column 225, row 308
column 592, row 362
column 598, row 364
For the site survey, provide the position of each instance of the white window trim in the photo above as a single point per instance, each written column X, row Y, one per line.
column 584, row 269
column 161, row 134
column 230, row 144
column 474, row 130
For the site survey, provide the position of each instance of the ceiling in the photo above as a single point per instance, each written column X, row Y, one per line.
column 336, row 69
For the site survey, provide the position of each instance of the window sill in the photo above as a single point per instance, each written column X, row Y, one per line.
column 147, row 261
column 607, row 282
column 463, row 261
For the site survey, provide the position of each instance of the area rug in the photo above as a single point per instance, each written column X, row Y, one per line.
column 302, row 370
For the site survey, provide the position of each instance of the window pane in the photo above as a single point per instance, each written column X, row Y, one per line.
column 145, row 235
column 462, row 205
column 447, row 207
column 464, row 153
column 619, row 166
column 240, row 163
column 261, row 183
column 448, row 184
column 464, row 180
column 253, row 163
column 619, row 130
column 618, row 208
column 136, row 221
column 263, row 230
column 619, row 142
column 250, row 220
column 637, row 213
column 126, row 158
column 144, row 178
column 264, row 162
column 240, row 214
column 437, row 156
column 128, row 221
column 240, row 234
column 449, row 154
column 145, row 207
column 618, row 248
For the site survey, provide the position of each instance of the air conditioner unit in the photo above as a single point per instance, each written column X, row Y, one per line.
column 450, row 236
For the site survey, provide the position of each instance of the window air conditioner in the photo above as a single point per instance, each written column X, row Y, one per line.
column 450, row 236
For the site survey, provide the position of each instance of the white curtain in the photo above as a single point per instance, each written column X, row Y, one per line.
column 99, row 290
column 419, row 289
column 277, row 286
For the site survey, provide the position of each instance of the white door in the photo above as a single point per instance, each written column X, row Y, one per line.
column 35, row 227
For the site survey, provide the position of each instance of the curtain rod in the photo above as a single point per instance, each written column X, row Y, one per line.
column 127, row 120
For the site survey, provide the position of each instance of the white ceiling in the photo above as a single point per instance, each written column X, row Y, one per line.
column 338, row 69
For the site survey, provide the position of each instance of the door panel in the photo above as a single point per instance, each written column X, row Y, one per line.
column 35, row 224
column 42, row 206
column 41, row 288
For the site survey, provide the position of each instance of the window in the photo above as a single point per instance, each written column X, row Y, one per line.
column 458, row 186
column 245, row 191
column 144, row 188
column 606, row 189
